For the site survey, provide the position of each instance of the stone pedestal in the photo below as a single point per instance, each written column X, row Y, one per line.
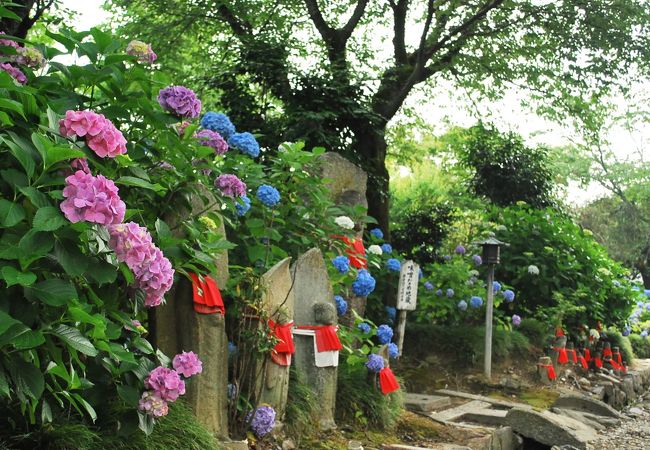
column 279, row 302
column 314, row 306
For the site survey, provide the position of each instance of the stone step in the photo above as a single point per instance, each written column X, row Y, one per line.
column 549, row 428
column 425, row 403
column 440, row 446
column 492, row 401
column 489, row 417
column 451, row 414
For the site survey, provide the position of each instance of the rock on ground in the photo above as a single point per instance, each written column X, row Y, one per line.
column 633, row 434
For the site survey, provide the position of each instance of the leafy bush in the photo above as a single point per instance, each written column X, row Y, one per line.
column 622, row 342
column 640, row 345
column 536, row 331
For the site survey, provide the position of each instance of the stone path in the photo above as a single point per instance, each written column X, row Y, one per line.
column 632, row 434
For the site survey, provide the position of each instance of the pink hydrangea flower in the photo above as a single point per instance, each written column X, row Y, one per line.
column 187, row 364
column 212, row 139
column 100, row 133
column 153, row 272
column 180, row 128
column 8, row 42
column 143, row 51
column 152, row 404
column 30, row 57
column 92, row 199
column 166, row 383
column 15, row 72
column 230, row 185
column 80, row 164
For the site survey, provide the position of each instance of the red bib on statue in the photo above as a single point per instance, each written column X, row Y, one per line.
column 387, row 381
column 207, row 297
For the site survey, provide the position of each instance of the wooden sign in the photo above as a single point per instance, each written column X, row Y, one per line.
column 407, row 293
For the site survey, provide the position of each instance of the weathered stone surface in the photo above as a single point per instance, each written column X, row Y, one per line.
column 347, row 181
column 177, row 327
column 550, row 429
column 627, row 386
column 314, row 300
column 542, row 370
column 489, row 417
column 505, row 439
column 235, row 445
column 425, row 403
column 442, row 446
column 583, row 403
column 279, row 302
column 579, row 416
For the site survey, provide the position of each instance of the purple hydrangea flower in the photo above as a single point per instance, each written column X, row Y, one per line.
column 187, row 364
column 386, row 248
column 450, row 292
column 516, row 320
column 447, row 258
column 219, row 123
column 262, row 420
column 477, row 260
column 268, row 195
column 342, row 264
column 393, row 265
column 230, row 185
column 8, row 42
column 180, row 101
column 428, row 286
column 644, row 333
column 364, row 284
column 92, row 199
column 460, row 250
column 15, row 72
column 152, row 404
column 393, row 350
column 364, row 327
column 476, row 302
column 462, row 305
column 245, row 143
column 439, row 292
column 508, row 295
column 384, row 334
column 375, row 363
column 341, row 305
column 212, row 139
column 376, row 232
column 242, row 205
column 166, row 383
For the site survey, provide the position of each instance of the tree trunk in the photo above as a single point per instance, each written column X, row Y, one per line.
column 372, row 148
column 645, row 275
column 23, row 9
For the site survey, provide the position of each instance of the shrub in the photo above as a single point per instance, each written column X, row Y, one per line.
column 623, row 343
column 640, row 345
column 537, row 332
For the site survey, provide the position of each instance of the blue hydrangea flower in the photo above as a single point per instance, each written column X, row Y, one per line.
column 376, row 232
column 392, row 312
column 496, row 286
column 341, row 305
column 647, row 306
column 462, row 305
column 447, row 257
column 218, row 122
column 640, row 304
column 450, row 292
column 420, row 274
column 393, row 265
column 268, row 195
column 647, row 292
column 342, row 264
column 428, row 286
column 261, row 420
column 508, row 295
column 616, row 283
column 242, row 205
column 636, row 288
column 364, row 284
column 393, row 351
column 477, row 260
column 386, row 248
column 375, row 363
column 364, row 327
column 439, row 292
column 232, row 348
column 384, row 334
column 232, row 392
column 476, row 302
column 460, row 250
column 626, row 331
column 644, row 333
column 245, row 143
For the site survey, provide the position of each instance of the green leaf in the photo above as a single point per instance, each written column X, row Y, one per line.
column 58, row 153
column 10, row 213
column 67, row 253
column 143, row 345
column 28, row 378
column 12, row 105
column 4, row 12
column 6, row 322
column 48, row 218
column 53, row 292
column 102, row 39
column 33, row 245
column 29, row 339
column 162, row 229
column 129, row 394
column 138, row 182
column 35, row 196
column 89, row 409
column 145, row 423
column 23, row 156
column 4, row 386
column 46, row 412
column 74, row 338
column 13, row 276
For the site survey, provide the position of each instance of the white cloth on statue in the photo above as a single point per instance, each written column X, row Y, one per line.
column 322, row 359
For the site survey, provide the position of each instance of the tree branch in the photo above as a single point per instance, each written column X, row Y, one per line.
column 399, row 29
column 326, row 32
column 349, row 27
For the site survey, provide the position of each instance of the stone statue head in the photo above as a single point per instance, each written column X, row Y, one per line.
column 324, row 313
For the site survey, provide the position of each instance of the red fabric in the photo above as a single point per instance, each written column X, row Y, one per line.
column 387, row 381
column 356, row 251
column 283, row 333
column 618, row 358
column 574, row 356
column 559, row 331
column 207, row 297
column 550, row 371
column 562, row 357
column 607, row 352
column 587, row 355
column 598, row 362
column 583, row 362
column 614, row 364
column 326, row 337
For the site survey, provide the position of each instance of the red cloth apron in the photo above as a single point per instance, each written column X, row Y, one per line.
column 387, row 381
column 607, row 352
column 583, row 362
column 281, row 353
column 562, row 357
column 574, row 356
column 598, row 362
column 550, row 371
column 587, row 355
column 207, row 297
column 326, row 338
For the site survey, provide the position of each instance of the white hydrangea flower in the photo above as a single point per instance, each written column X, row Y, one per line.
column 533, row 269
column 344, row 222
column 594, row 334
column 375, row 249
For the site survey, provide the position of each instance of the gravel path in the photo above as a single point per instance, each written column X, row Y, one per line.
column 632, row 434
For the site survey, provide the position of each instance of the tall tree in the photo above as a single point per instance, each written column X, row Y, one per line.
column 335, row 73
column 24, row 15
